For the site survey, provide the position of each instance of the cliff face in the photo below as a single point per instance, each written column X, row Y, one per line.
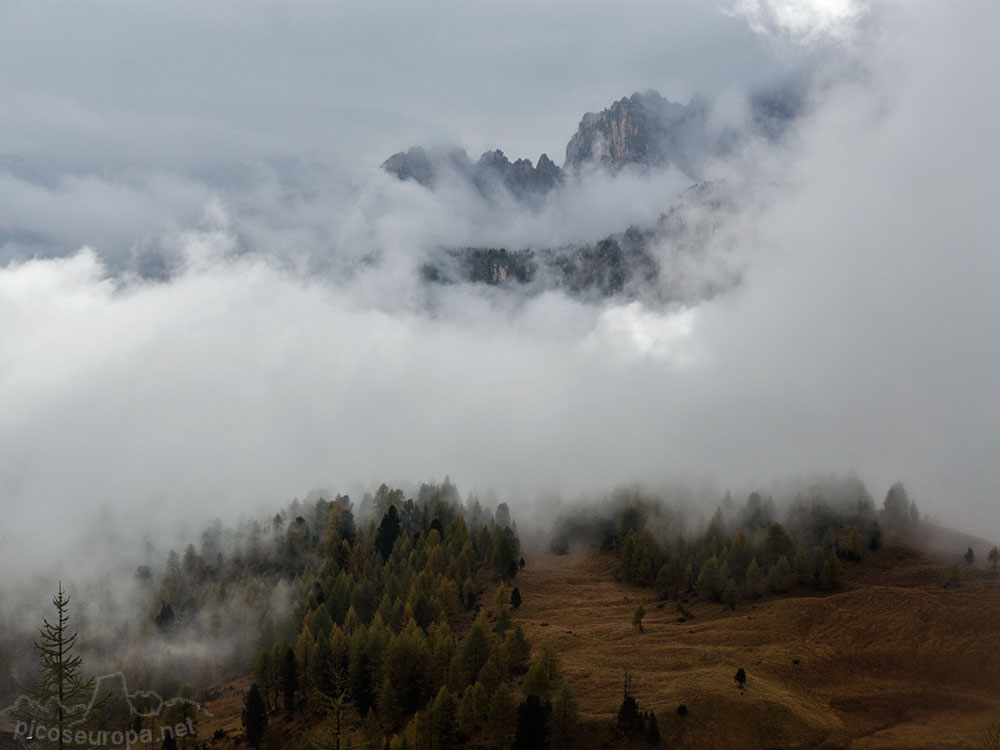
column 645, row 130
column 682, row 258
column 603, row 269
column 519, row 177
column 617, row 135
column 673, row 261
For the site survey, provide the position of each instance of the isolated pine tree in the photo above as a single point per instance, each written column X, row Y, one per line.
column 637, row 616
column 62, row 687
column 628, row 712
column 741, row 677
column 515, row 597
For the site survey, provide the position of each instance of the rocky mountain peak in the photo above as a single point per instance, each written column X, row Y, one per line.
column 493, row 170
column 644, row 129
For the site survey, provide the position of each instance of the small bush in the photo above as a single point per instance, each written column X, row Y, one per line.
column 628, row 713
column 652, row 730
column 640, row 612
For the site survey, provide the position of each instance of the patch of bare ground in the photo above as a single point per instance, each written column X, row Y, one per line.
column 224, row 705
column 892, row 660
column 222, row 727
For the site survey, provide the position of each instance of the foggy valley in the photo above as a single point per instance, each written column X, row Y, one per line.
column 323, row 330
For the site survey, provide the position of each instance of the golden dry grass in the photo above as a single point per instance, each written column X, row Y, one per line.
column 893, row 660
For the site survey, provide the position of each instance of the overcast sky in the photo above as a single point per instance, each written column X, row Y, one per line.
column 242, row 140
column 183, row 85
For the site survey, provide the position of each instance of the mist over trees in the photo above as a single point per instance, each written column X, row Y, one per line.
column 392, row 643
column 63, row 694
column 368, row 622
column 899, row 513
column 742, row 552
column 334, row 593
column 392, row 621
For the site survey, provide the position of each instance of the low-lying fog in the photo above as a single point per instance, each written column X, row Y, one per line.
column 178, row 343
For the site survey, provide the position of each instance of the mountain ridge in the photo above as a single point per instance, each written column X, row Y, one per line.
column 639, row 262
column 645, row 130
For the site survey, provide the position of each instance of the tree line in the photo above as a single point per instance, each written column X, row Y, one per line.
column 743, row 552
column 390, row 643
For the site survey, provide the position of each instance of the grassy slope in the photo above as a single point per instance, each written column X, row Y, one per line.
column 892, row 660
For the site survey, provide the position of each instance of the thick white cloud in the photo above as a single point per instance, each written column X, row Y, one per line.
column 804, row 21
column 863, row 336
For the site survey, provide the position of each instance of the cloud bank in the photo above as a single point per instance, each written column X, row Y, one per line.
column 804, row 22
column 862, row 338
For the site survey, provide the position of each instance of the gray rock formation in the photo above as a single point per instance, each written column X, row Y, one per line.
column 492, row 172
column 672, row 261
column 645, row 130
column 426, row 166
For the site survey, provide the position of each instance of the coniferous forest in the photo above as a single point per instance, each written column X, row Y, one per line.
column 400, row 621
